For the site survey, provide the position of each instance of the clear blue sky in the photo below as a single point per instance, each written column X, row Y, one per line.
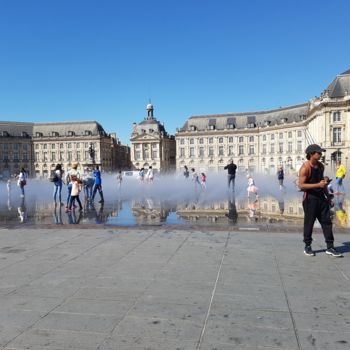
column 102, row 60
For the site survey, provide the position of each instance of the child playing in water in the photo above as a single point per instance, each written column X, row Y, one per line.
column 76, row 189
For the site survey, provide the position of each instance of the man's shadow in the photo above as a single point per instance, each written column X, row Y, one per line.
column 345, row 248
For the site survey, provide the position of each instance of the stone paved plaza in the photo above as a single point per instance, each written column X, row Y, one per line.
column 166, row 288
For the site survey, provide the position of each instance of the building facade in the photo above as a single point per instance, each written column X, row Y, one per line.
column 151, row 145
column 16, row 148
column 38, row 147
column 261, row 141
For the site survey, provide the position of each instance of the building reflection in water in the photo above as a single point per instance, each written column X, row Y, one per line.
column 150, row 211
column 147, row 210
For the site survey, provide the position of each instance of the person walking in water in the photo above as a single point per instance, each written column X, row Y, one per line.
column 68, row 179
column 315, row 202
column 203, row 181
column 57, row 182
column 119, row 180
column 280, row 177
column 142, row 175
column 97, row 185
column 195, row 178
column 231, row 174
column 149, row 175
column 186, row 172
column 22, row 181
column 339, row 176
column 77, row 185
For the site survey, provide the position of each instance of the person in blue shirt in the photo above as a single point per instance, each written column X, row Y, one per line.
column 97, row 184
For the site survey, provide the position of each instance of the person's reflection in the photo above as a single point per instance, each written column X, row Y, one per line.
column 99, row 215
column 9, row 205
column 73, row 218
column 281, row 204
column 22, row 211
column 340, row 213
column 57, row 214
column 252, row 207
column 232, row 210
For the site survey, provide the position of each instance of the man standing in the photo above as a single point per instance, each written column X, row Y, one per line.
column 280, row 177
column 231, row 173
column 339, row 176
column 315, row 202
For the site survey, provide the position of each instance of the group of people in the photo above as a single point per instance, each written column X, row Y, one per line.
column 146, row 175
column 197, row 180
column 89, row 182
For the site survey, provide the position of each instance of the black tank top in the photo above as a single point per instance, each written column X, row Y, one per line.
column 316, row 177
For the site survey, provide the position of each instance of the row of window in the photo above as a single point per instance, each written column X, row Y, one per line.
column 14, row 146
column 15, row 157
column 221, row 150
column 60, row 156
column 62, row 145
column 146, row 155
column 230, row 139
column 145, row 145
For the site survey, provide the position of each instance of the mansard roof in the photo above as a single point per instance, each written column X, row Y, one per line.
column 150, row 124
column 247, row 119
column 67, row 128
column 340, row 86
column 16, row 129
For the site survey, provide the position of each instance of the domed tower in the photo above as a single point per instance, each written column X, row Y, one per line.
column 151, row 145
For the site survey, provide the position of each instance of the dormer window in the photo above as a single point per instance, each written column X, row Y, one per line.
column 5, row 134
column 88, row 133
column 231, row 123
column 267, row 122
column 251, row 122
column 55, row 133
column 151, row 131
column 143, row 131
column 212, row 124
column 71, row 133
column 24, row 134
column 193, row 128
column 39, row 134
column 284, row 120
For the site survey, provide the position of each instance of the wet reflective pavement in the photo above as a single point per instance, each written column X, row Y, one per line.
column 147, row 211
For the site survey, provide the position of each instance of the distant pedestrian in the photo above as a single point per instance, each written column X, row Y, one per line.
column 339, row 177
column 231, row 174
column 195, row 178
column 97, row 185
column 186, row 172
column 280, row 177
column 142, row 175
column 119, row 180
column 57, row 182
column 315, row 202
column 149, row 175
column 22, row 181
column 251, row 189
column 203, row 181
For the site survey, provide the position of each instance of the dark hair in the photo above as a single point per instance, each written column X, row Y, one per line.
column 150, row 167
column 58, row 167
column 97, row 167
column 192, row 169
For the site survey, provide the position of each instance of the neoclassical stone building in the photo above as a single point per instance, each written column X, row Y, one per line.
column 151, row 145
column 263, row 140
column 15, row 148
column 40, row 146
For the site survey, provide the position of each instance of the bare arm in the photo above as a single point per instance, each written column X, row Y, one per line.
column 305, row 186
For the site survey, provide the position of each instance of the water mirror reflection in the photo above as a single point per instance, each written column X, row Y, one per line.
column 169, row 200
